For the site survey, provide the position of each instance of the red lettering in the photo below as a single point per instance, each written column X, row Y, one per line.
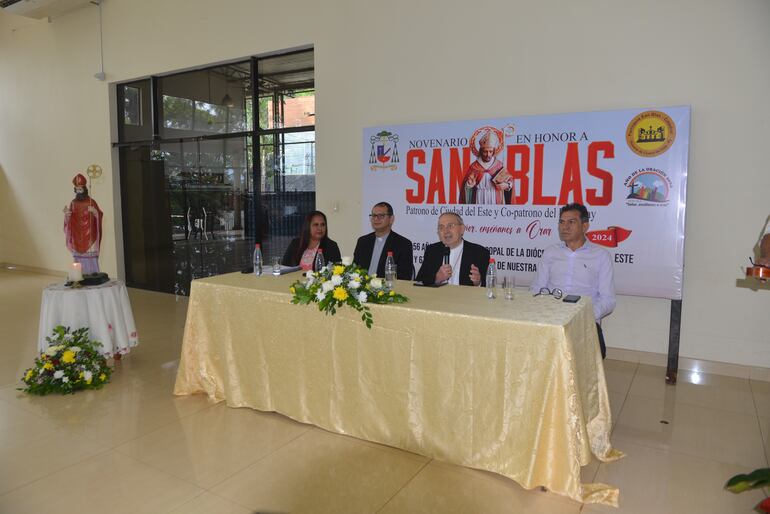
column 570, row 181
column 436, row 181
column 457, row 173
column 608, row 149
column 537, row 194
column 519, row 174
column 412, row 156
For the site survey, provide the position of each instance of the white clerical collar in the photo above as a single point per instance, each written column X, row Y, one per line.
column 455, row 259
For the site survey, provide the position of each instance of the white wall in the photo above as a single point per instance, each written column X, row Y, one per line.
column 405, row 61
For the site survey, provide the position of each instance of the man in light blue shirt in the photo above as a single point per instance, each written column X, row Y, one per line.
column 577, row 266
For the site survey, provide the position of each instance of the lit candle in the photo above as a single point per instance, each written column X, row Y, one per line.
column 76, row 272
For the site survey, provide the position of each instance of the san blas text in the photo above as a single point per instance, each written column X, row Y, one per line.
column 437, row 174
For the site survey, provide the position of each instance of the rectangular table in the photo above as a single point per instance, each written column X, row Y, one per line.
column 513, row 387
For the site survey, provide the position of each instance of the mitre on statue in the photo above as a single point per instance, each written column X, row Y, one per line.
column 79, row 180
column 489, row 139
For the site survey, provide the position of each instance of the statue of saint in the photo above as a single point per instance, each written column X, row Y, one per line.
column 83, row 227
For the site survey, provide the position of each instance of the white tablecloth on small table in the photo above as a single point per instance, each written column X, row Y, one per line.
column 105, row 309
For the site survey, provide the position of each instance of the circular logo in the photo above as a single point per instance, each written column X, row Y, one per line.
column 650, row 133
column 649, row 185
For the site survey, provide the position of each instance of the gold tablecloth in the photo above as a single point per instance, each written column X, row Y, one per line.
column 513, row 387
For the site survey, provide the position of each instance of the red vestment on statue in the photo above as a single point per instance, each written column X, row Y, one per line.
column 83, row 227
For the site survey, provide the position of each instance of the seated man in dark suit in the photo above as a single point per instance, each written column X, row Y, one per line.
column 372, row 249
column 454, row 260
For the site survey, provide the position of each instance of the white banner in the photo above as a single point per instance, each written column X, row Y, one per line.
column 507, row 178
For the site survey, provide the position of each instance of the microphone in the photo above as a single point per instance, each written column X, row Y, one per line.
column 446, row 255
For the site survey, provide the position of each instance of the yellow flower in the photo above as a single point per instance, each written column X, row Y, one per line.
column 102, row 377
column 29, row 374
column 339, row 270
column 82, row 374
column 88, row 382
column 292, row 290
column 68, row 357
column 340, row 293
column 381, row 293
column 47, row 365
column 392, row 293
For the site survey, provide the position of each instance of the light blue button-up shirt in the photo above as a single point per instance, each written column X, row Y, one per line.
column 586, row 271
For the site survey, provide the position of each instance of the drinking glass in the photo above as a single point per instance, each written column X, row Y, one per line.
column 509, row 282
column 276, row 266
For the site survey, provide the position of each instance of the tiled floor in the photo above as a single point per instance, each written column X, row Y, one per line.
column 134, row 448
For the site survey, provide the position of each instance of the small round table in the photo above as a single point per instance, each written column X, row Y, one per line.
column 105, row 309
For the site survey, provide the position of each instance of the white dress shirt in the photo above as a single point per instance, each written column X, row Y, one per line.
column 586, row 271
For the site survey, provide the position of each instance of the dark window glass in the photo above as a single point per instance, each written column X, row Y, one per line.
column 177, row 113
column 186, row 211
column 132, row 106
column 200, row 192
column 210, row 101
column 134, row 111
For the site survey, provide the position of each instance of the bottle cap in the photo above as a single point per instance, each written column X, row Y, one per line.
column 491, row 261
column 390, row 254
column 256, row 245
column 320, row 250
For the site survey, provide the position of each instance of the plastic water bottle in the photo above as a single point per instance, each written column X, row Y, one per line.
column 257, row 260
column 491, row 279
column 319, row 260
column 390, row 270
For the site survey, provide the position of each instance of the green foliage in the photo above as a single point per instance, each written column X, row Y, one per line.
column 754, row 480
column 71, row 362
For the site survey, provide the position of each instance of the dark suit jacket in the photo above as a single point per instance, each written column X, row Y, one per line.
column 398, row 244
column 329, row 247
column 472, row 254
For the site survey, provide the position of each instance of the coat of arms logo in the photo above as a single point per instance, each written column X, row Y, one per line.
column 384, row 153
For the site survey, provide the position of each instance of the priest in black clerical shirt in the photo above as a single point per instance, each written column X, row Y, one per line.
column 372, row 249
column 453, row 260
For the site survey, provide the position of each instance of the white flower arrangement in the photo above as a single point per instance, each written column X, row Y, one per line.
column 336, row 285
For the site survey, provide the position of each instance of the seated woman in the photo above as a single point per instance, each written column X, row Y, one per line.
column 302, row 250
